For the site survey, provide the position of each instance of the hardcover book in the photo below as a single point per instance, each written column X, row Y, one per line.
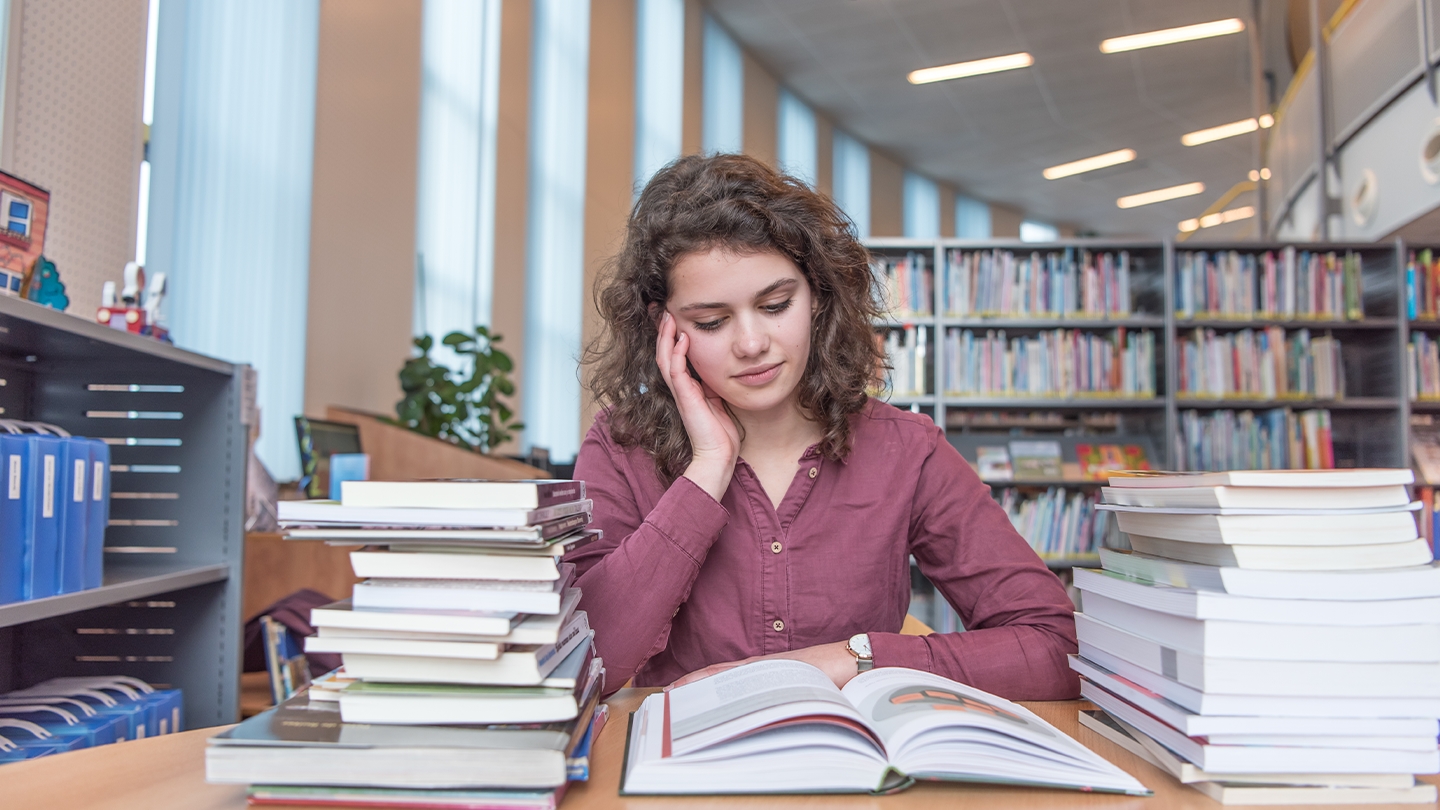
column 781, row 726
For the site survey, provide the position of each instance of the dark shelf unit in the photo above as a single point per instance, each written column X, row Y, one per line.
column 174, row 421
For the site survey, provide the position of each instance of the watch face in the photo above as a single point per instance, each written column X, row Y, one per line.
column 860, row 643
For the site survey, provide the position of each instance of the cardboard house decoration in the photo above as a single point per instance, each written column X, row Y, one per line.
column 24, row 211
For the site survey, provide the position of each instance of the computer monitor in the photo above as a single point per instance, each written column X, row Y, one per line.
column 319, row 440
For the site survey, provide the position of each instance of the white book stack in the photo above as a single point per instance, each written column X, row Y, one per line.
column 1272, row 638
column 466, row 617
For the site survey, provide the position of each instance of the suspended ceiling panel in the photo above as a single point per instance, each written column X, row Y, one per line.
column 992, row 135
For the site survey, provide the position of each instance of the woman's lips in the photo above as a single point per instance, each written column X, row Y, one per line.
column 764, row 375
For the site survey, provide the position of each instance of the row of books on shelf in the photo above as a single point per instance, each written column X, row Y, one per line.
column 1057, row 363
column 1265, row 363
column 1034, row 459
column 1071, row 283
column 53, row 512
column 909, row 285
column 1422, row 356
column 1057, row 523
column 907, row 352
column 1274, row 439
column 1422, row 286
column 1290, row 284
column 1271, row 638
column 68, row 714
column 468, row 678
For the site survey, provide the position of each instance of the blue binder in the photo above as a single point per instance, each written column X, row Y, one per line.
column 98, row 512
column 41, row 520
column 74, row 498
column 12, row 518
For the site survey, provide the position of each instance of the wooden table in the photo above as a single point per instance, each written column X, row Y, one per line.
column 168, row 773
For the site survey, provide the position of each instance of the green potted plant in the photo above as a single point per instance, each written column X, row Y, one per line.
column 463, row 410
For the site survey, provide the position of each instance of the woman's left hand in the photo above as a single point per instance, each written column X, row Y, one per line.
column 833, row 659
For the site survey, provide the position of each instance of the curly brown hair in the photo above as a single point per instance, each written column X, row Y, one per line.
column 694, row 205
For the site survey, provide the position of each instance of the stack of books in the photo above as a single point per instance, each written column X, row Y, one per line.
column 469, row 677
column 1273, row 637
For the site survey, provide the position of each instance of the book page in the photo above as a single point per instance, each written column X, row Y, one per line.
column 752, row 696
column 936, row 728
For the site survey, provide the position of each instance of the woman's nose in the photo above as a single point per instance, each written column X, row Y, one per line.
column 752, row 340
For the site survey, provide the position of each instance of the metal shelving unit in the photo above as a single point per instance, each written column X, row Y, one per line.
column 169, row 609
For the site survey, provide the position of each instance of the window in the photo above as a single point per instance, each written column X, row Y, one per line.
column 455, row 177
column 659, row 85
column 922, row 207
column 797, row 138
column 972, row 218
column 17, row 214
column 724, row 99
column 1032, row 231
column 555, row 258
column 851, row 160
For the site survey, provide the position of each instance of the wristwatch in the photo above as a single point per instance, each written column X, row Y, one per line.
column 859, row 646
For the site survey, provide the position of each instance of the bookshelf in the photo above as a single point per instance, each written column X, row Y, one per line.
column 169, row 609
column 1369, row 422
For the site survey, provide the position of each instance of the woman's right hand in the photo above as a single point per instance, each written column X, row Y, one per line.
column 714, row 437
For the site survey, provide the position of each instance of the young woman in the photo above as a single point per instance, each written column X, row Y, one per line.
column 755, row 501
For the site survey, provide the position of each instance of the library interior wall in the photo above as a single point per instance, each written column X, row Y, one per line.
column 362, row 238
column 609, row 166
column 824, row 154
column 762, row 105
column 693, row 99
column 507, row 315
column 73, row 127
column 887, row 196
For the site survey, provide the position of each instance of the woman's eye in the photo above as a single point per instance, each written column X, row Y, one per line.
column 776, row 309
column 709, row 326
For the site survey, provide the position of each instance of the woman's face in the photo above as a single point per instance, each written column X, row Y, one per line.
column 748, row 318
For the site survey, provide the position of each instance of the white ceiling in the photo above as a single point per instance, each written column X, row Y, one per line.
column 992, row 135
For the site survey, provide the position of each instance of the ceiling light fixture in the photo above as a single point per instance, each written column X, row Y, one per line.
column 960, row 70
column 1161, row 195
column 1218, row 218
column 1089, row 164
column 1170, row 36
column 1263, row 174
column 1223, row 131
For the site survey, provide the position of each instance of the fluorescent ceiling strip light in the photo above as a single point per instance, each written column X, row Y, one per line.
column 1170, row 36
column 1218, row 218
column 960, row 70
column 1089, row 164
column 1161, row 195
column 1223, row 131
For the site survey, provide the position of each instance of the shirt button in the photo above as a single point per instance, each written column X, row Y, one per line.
column 776, row 547
column 814, row 472
column 778, row 625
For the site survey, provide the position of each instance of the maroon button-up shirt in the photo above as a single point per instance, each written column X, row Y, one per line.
column 681, row 582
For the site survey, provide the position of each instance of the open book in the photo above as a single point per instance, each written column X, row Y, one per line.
column 781, row 726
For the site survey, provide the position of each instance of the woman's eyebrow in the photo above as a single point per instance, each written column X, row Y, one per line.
column 776, row 286
column 769, row 289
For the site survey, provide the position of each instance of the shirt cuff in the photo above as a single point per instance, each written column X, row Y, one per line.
column 896, row 650
column 689, row 518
